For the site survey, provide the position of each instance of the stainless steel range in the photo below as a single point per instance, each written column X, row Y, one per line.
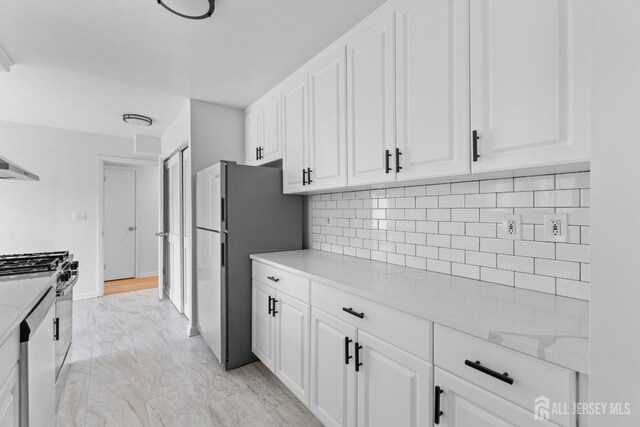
column 66, row 270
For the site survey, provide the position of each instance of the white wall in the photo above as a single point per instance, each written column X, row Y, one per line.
column 615, row 303
column 37, row 216
column 178, row 132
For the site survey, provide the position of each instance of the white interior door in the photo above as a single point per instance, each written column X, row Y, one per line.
column 187, row 240
column 119, row 224
column 174, row 238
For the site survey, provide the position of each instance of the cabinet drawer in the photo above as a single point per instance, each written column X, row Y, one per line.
column 531, row 377
column 403, row 330
column 289, row 283
column 9, row 355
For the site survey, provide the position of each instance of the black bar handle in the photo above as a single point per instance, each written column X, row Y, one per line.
column 270, row 309
column 304, row 177
column 309, row 176
column 437, row 412
column 352, row 312
column 347, row 341
column 476, row 156
column 274, row 312
column 477, row 366
column 398, row 154
column 260, row 152
column 387, row 168
column 222, row 209
column 56, row 329
column 273, row 279
column 222, row 255
column 358, row 363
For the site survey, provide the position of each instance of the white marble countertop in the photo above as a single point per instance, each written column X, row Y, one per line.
column 18, row 296
column 549, row 327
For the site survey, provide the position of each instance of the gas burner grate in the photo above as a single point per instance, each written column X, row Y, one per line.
column 31, row 263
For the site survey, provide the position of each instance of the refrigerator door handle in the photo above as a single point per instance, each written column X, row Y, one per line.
column 222, row 254
column 221, row 209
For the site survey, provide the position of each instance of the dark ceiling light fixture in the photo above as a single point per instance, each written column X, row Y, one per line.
column 137, row 120
column 198, row 11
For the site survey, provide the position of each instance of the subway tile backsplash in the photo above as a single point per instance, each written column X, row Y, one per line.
column 457, row 229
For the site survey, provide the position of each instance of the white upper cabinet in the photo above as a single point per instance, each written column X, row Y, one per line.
column 432, row 96
column 271, row 147
column 371, row 102
column 295, row 132
column 328, row 120
column 253, row 133
column 530, row 82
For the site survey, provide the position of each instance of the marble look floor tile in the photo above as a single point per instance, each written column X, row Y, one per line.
column 132, row 364
column 117, row 406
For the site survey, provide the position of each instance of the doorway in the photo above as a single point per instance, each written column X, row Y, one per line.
column 128, row 247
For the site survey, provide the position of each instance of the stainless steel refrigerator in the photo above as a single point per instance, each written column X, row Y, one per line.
column 240, row 210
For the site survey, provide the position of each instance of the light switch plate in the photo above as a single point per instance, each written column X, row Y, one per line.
column 556, row 228
column 512, row 227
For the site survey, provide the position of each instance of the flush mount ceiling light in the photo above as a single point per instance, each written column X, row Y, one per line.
column 137, row 120
column 190, row 9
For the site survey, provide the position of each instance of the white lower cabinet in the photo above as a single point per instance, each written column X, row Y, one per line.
column 333, row 377
column 280, row 337
column 463, row 404
column 9, row 400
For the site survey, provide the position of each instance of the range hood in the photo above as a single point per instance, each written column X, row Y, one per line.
column 9, row 170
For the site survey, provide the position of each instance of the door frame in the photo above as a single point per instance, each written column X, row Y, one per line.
column 102, row 162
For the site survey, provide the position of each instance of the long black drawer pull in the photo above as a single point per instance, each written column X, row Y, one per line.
column 270, row 299
column 56, row 329
column 437, row 412
column 354, row 313
column 398, row 154
column 274, row 312
column 477, row 366
column 347, row 357
column 387, row 168
column 273, row 279
column 358, row 363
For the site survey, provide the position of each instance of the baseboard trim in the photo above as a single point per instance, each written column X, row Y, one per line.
column 150, row 274
column 84, row 295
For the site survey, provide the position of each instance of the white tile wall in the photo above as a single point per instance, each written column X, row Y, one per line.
column 457, row 229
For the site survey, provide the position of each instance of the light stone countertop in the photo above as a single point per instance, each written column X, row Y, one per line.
column 549, row 327
column 18, row 295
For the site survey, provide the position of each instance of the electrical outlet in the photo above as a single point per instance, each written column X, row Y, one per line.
column 555, row 228
column 511, row 227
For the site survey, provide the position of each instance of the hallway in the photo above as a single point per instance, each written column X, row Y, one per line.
column 133, row 365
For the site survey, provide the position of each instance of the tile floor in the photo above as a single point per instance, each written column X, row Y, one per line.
column 133, row 365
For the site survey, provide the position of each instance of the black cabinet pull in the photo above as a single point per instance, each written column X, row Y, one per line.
column 475, row 138
column 309, row 176
column 477, row 366
column 358, row 363
column 304, row 177
column 270, row 309
column 347, row 341
column 387, row 168
column 352, row 312
column 274, row 312
column 261, row 155
column 56, row 329
column 257, row 153
column 398, row 154
column 437, row 412
column 273, row 279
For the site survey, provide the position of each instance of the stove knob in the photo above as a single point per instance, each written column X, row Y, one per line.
column 74, row 265
column 65, row 276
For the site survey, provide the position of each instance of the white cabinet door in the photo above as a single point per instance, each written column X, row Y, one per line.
column 332, row 397
column 463, row 404
column 295, row 132
column 292, row 345
column 371, row 102
column 271, row 147
column 262, row 325
column 432, row 88
column 530, row 82
column 10, row 400
column 253, row 130
column 328, row 120
column 394, row 387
